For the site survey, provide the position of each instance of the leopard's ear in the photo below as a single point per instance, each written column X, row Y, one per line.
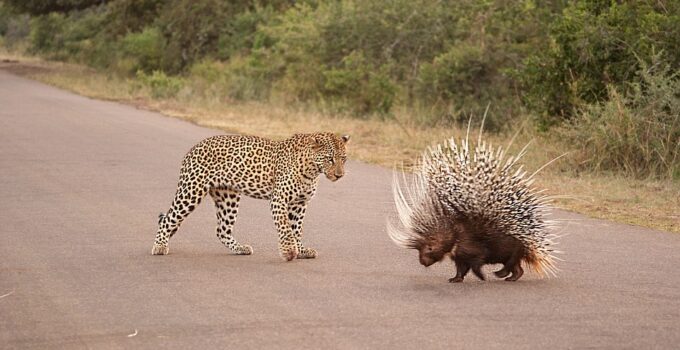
column 345, row 138
column 314, row 143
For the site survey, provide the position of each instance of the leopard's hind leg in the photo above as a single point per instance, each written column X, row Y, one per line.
column 226, row 205
column 189, row 195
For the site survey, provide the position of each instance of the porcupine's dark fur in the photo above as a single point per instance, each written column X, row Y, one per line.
column 476, row 207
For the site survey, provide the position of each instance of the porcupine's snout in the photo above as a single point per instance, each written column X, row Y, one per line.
column 429, row 254
column 426, row 260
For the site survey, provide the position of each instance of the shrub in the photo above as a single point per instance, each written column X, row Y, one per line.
column 5, row 16
column 145, row 49
column 14, row 28
column 594, row 45
column 459, row 82
column 635, row 132
column 47, row 34
column 43, row 7
column 358, row 87
column 191, row 29
column 240, row 35
column 161, row 86
column 130, row 16
column 76, row 36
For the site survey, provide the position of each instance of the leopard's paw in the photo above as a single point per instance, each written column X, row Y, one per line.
column 160, row 249
column 307, row 253
column 288, row 254
column 243, row 250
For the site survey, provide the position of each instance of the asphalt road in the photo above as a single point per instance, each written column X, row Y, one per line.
column 82, row 182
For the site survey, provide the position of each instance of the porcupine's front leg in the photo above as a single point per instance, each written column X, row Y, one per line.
column 462, row 268
column 296, row 215
column 288, row 244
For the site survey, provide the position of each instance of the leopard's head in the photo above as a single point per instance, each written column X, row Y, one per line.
column 330, row 154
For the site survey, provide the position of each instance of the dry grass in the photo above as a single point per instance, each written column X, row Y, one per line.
column 645, row 203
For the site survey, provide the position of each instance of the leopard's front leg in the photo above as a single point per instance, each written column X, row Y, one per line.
column 296, row 214
column 288, row 244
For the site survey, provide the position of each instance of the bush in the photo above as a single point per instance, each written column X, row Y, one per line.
column 5, row 16
column 14, row 28
column 596, row 44
column 131, row 16
column 43, row 7
column 358, row 87
column 635, row 132
column 76, row 36
column 47, row 34
column 239, row 35
column 458, row 83
column 241, row 78
column 191, row 29
column 144, row 49
column 160, row 85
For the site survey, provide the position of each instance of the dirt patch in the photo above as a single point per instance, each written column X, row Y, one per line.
column 24, row 68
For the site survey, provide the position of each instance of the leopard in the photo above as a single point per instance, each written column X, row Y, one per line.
column 284, row 172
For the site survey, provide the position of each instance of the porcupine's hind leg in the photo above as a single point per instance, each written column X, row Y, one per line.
column 462, row 268
column 512, row 265
column 509, row 265
column 477, row 270
column 226, row 206
column 517, row 272
column 503, row 272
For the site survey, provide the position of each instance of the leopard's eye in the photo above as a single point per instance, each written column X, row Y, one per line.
column 332, row 161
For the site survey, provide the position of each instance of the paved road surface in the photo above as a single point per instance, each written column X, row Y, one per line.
column 82, row 182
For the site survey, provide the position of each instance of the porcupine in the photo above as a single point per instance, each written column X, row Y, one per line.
column 476, row 208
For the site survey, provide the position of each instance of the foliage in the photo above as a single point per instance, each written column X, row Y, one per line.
column 13, row 27
column 5, row 17
column 635, row 132
column 595, row 44
column 241, row 78
column 191, row 29
column 73, row 36
column 240, row 35
column 47, row 34
column 129, row 16
column 43, row 7
column 160, row 85
column 144, row 50
column 358, row 87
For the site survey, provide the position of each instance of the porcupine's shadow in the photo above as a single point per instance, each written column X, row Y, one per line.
column 439, row 284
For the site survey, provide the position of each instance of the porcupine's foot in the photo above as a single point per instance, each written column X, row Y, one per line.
column 307, row 253
column 462, row 268
column 159, row 249
column 517, row 272
column 502, row 273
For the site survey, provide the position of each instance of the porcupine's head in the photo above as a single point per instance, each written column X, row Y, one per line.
column 423, row 224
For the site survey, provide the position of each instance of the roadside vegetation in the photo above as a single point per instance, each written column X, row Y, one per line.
column 598, row 80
